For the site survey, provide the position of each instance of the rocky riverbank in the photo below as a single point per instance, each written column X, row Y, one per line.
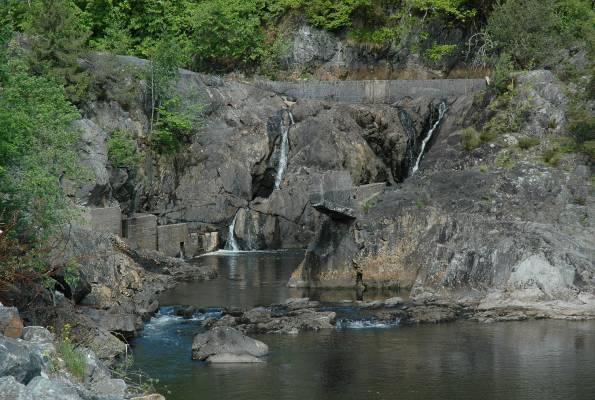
column 38, row 365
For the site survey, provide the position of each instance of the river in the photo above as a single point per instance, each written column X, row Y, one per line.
column 463, row 360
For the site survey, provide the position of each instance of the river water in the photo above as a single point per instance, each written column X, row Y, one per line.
column 464, row 360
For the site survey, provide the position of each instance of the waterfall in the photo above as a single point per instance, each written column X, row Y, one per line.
column 284, row 151
column 441, row 111
column 232, row 244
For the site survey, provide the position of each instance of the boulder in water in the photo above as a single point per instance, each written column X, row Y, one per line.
column 223, row 344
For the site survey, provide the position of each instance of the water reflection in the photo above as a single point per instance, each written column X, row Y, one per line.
column 249, row 279
column 514, row 360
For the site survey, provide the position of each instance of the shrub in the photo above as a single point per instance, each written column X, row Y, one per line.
column 526, row 143
column 588, row 148
column 333, row 14
column 529, row 42
column 505, row 159
column 122, row 149
column 470, row 138
column 437, row 51
column 552, row 156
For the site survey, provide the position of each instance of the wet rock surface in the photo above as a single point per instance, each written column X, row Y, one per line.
column 224, row 344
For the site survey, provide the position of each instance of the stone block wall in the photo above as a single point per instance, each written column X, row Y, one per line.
column 141, row 231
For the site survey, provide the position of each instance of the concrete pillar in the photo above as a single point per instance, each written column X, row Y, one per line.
column 141, row 231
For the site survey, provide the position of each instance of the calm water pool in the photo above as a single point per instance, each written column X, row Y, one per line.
column 463, row 360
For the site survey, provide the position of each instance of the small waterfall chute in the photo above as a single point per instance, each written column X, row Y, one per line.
column 441, row 111
column 232, row 243
column 284, row 151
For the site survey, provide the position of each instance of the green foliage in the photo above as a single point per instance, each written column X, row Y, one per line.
column 527, row 142
column 588, row 148
column 173, row 127
column 505, row 159
column 271, row 56
column 226, row 33
column 503, row 73
column 122, row 149
column 332, row 14
column 470, row 139
column 73, row 359
column 528, row 43
column 581, row 120
column 166, row 59
column 552, row 156
column 557, row 147
column 37, row 148
column 58, row 36
column 437, row 51
column 548, row 25
column 508, row 115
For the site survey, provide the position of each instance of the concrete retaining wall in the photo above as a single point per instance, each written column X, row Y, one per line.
column 380, row 92
column 141, row 231
column 173, row 238
column 107, row 220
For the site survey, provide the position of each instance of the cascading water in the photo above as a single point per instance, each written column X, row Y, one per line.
column 232, row 244
column 441, row 111
column 284, row 151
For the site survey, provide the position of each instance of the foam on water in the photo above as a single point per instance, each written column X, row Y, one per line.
column 346, row 323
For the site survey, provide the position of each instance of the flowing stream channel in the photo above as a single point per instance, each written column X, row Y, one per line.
column 360, row 359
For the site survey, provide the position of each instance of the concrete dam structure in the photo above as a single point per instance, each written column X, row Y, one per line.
column 373, row 91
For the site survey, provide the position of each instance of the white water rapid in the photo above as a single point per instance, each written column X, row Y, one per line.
column 284, row 151
column 441, row 111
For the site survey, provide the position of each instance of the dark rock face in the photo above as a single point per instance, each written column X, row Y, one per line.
column 508, row 236
column 225, row 344
column 17, row 359
column 331, row 56
column 230, row 166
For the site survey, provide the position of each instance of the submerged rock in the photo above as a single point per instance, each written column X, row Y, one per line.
column 291, row 318
column 225, row 344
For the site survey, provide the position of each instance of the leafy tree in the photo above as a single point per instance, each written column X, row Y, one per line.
column 58, row 36
column 37, row 149
column 226, row 33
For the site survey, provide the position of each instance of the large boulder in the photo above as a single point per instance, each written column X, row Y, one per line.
column 11, row 324
column 225, row 344
column 11, row 389
column 42, row 388
column 18, row 359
